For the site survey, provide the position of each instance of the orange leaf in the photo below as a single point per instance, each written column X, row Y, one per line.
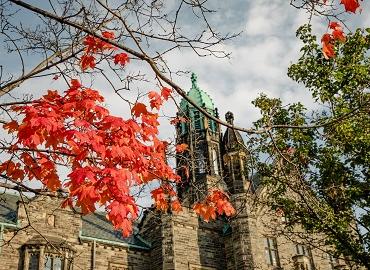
column 166, row 93
column 87, row 61
column 108, row 34
column 139, row 109
column 121, row 58
column 181, row 147
column 176, row 206
column 337, row 31
column 177, row 120
column 155, row 100
column 327, row 46
column 11, row 126
column 350, row 5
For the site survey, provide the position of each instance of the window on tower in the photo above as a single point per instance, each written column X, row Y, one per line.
column 215, row 162
column 197, row 124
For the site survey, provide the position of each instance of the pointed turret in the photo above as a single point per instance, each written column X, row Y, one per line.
column 235, row 159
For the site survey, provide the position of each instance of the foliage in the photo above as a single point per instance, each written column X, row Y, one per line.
column 323, row 157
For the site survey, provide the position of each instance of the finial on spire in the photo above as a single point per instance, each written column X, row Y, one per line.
column 194, row 79
column 229, row 116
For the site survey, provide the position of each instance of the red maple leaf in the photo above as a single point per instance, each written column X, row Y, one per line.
column 139, row 109
column 177, row 120
column 11, row 126
column 328, row 50
column 155, row 100
column 166, row 93
column 215, row 203
column 176, row 206
column 87, row 61
column 121, row 58
column 181, row 147
column 327, row 46
column 335, row 25
column 337, row 33
column 350, row 5
column 108, row 34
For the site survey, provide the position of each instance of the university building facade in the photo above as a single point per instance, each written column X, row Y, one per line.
column 36, row 234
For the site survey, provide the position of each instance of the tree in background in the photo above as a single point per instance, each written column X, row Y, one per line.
column 322, row 157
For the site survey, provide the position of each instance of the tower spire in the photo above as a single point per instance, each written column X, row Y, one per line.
column 194, row 80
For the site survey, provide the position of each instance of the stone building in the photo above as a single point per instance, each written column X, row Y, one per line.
column 52, row 238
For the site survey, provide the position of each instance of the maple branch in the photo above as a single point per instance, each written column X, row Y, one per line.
column 23, row 188
column 42, row 66
column 17, row 103
column 139, row 55
column 37, row 150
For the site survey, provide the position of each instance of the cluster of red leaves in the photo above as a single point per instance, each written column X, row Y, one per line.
column 349, row 5
column 165, row 197
column 215, row 203
column 181, row 148
column 177, row 120
column 95, row 45
column 328, row 40
column 107, row 155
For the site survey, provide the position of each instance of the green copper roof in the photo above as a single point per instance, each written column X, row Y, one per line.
column 200, row 97
column 203, row 100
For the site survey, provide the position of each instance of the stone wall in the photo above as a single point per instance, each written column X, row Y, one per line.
column 61, row 228
column 180, row 241
column 264, row 223
column 184, row 242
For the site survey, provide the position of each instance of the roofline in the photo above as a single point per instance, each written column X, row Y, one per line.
column 110, row 242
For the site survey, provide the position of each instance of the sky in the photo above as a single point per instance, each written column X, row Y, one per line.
column 260, row 56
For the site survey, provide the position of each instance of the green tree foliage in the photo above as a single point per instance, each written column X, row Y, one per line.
column 319, row 160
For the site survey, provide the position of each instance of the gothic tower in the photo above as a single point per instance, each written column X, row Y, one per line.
column 235, row 159
column 201, row 166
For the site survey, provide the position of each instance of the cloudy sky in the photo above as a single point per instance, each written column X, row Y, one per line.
column 260, row 56
column 259, row 59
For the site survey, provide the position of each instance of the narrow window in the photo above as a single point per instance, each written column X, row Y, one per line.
column 201, row 164
column 215, row 162
column 48, row 263
column 306, row 251
column 271, row 252
column 34, row 262
column 53, row 263
column 197, row 124
column 57, row 263
column 333, row 262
